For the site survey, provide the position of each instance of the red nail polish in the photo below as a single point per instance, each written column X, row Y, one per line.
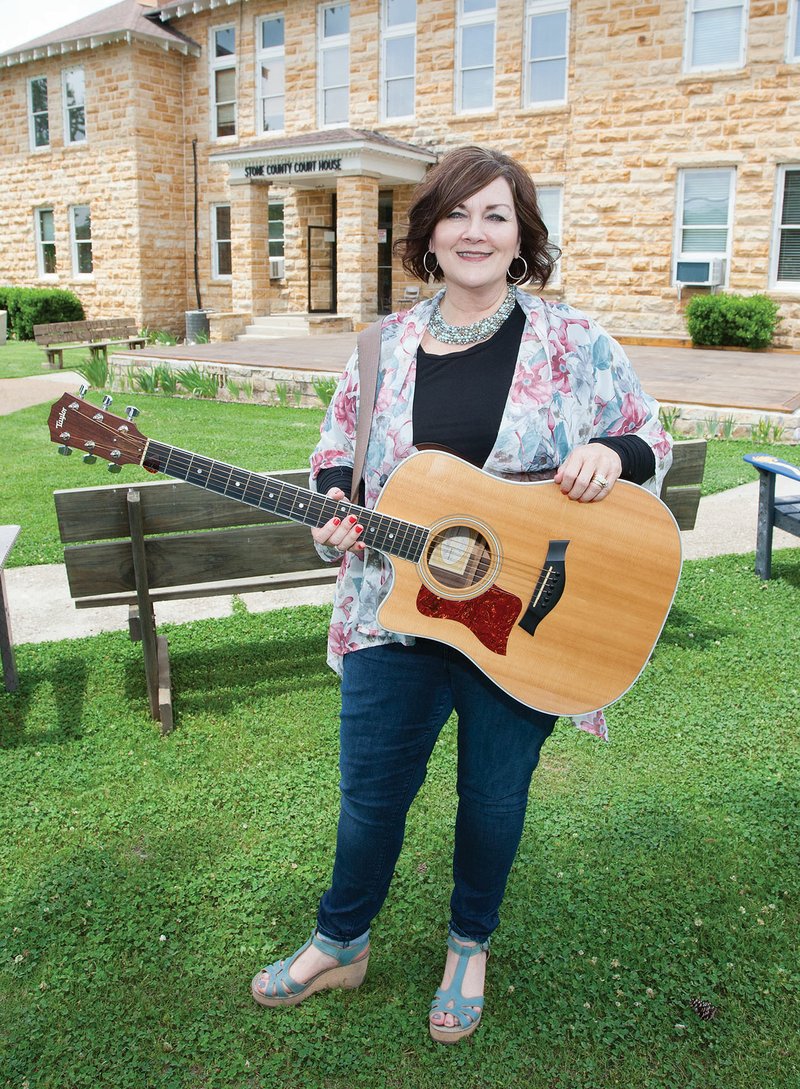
column 336, row 521
column 359, row 529
column 352, row 519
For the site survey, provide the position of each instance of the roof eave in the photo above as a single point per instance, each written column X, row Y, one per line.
column 93, row 41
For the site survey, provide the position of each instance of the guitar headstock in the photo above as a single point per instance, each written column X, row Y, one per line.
column 77, row 425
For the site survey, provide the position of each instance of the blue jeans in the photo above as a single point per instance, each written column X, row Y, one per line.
column 395, row 700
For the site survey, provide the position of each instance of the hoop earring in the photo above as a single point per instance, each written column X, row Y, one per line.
column 430, row 271
column 517, row 280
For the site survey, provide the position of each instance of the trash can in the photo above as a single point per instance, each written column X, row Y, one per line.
column 3, row 326
column 197, row 328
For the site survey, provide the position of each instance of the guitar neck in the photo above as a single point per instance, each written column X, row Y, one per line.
column 390, row 535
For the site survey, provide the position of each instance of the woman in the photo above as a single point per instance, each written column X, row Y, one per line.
column 513, row 384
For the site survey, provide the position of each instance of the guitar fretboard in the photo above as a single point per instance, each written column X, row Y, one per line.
column 391, row 535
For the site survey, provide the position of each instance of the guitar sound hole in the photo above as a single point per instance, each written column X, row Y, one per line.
column 458, row 557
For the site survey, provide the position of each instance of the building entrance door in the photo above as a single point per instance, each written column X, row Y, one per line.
column 385, row 252
column 322, row 270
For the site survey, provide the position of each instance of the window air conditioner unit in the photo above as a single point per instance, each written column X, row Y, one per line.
column 276, row 266
column 701, row 273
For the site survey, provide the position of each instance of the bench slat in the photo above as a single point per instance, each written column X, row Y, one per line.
column 89, row 514
column 263, row 584
column 191, row 559
column 688, row 463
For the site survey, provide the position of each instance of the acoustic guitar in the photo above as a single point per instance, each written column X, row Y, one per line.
column 559, row 603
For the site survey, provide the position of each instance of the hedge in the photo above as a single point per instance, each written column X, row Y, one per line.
column 737, row 321
column 29, row 306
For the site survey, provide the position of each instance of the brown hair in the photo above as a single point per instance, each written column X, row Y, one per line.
column 459, row 175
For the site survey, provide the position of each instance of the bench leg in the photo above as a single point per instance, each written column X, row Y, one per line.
column 766, row 508
column 164, row 687
column 10, row 677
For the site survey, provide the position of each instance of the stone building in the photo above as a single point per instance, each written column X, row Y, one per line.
column 257, row 157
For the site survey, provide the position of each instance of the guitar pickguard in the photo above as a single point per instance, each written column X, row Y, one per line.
column 490, row 616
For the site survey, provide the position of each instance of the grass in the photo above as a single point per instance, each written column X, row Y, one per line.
column 24, row 358
column 146, row 879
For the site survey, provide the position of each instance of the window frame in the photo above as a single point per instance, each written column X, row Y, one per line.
column 33, row 114
column 41, row 243
column 388, row 34
column 679, row 254
column 222, row 64
column 335, row 41
column 555, row 279
column 723, row 66
column 273, row 52
column 75, row 243
column 532, row 9
column 485, row 17
column 67, row 109
column 224, row 277
column 793, row 33
column 778, row 228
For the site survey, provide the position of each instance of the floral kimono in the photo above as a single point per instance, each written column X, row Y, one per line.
column 572, row 383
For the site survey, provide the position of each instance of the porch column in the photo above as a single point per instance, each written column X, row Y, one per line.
column 250, row 246
column 357, row 247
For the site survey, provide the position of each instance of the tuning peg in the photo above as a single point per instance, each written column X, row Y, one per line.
column 90, row 459
column 65, row 450
column 114, row 468
column 107, row 400
column 131, row 412
column 83, row 389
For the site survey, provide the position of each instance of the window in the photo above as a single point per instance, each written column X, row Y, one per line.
column 334, row 64
column 476, row 21
column 223, row 81
column 793, row 45
column 222, row 266
column 276, row 238
column 550, row 202
column 74, row 106
column 399, row 57
column 546, row 38
column 716, row 33
column 45, row 242
column 786, row 244
column 271, row 68
column 80, row 225
column 705, row 201
column 39, row 118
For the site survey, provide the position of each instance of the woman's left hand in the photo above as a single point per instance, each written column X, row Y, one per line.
column 589, row 472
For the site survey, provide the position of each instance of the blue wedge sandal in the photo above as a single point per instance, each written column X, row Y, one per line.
column 274, row 986
column 467, row 1011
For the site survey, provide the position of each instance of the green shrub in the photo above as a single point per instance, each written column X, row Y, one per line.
column 732, row 320
column 29, row 306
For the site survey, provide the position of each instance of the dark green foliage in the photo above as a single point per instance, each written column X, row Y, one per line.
column 29, row 306
column 732, row 320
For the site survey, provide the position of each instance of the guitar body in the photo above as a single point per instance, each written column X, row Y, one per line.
column 560, row 603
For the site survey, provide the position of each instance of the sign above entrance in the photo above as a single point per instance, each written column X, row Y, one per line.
column 317, row 158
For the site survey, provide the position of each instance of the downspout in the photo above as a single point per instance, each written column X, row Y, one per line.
column 196, row 266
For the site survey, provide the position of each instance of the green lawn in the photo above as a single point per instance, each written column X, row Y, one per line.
column 146, row 879
column 23, row 358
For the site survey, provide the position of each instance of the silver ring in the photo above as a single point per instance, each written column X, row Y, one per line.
column 599, row 480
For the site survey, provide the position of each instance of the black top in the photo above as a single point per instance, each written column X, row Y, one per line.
column 459, row 400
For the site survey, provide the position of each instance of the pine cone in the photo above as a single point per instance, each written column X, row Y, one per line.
column 704, row 1010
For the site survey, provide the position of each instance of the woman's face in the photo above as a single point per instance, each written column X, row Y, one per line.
column 477, row 241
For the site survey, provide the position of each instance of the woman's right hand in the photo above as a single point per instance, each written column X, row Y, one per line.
column 341, row 533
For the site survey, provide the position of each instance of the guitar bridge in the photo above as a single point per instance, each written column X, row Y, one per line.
column 549, row 587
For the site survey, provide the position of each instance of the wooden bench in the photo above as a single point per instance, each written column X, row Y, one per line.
column 8, row 534
column 96, row 336
column 783, row 513
column 139, row 544
column 681, row 488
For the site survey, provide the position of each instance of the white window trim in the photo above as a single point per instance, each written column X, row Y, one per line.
column 475, row 18
column 555, row 279
column 74, row 243
column 336, row 41
column 703, row 255
column 777, row 206
column 223, row 277
column 37, row 226
column 794, row 16
column 743, row 42
column 402, row 30
column 544, row 7
column 31, row 122
column 216, row 64
column 65, row 108
column 265, row 54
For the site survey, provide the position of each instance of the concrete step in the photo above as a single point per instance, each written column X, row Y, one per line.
column 273, row 326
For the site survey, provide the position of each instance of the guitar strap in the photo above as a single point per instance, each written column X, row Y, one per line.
column 369, row 353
